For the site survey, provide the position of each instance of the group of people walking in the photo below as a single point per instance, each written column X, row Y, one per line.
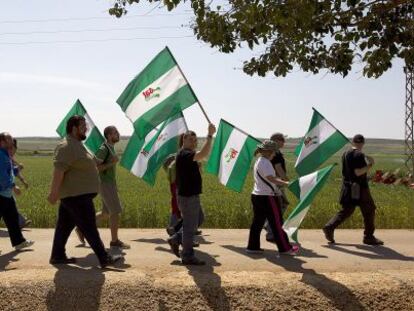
column 78, row 176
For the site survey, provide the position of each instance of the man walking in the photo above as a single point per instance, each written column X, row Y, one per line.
column 76, row 182
column 111, row 205
column 355, row 191
column 189, row 185
column 8, row 210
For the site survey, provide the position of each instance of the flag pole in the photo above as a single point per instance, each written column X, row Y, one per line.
column 198, row 101
column 240, row 130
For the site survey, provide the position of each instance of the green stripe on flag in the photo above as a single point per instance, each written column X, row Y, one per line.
column 292, row 223
column 239, row 173
column 77, row 109
column 94, row 140
column 220, row 141
column 131, row 151
column 158, row 158
column 178, row 101
column 325, row 150
column 154, row 70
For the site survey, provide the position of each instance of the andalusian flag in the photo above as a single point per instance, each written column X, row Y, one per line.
column 231, row 156
column 305, row 189
column 144, row 157
column 157, row 93
column 94, row 138
column 320, row 142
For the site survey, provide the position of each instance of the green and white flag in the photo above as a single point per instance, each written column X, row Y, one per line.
column 320, row 142
column 157, row 93
column 144, row 157
column 231, row 156
column 305, row 189
column 94, row 138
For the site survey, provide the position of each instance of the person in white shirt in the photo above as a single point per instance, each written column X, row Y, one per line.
column 265, row 205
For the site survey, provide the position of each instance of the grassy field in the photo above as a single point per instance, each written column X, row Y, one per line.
column 147, row 207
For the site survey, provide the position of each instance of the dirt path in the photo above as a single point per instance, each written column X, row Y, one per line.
column 347, row 276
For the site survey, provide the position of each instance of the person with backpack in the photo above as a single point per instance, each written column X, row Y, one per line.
column 355, row 192
column 111, row 205
column 265, row 204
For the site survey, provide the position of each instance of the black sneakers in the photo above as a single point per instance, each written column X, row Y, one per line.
column 372, row 240
column 111, row 260
column 329, row 234
column 175, row 247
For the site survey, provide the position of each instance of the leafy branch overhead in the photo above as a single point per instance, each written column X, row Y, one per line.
column 314, row 35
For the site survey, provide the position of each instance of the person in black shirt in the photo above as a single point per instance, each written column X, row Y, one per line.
column 189, row 186
column 355, row 191
column 279, row 164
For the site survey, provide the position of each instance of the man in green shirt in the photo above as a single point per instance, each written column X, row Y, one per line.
column 111, row 205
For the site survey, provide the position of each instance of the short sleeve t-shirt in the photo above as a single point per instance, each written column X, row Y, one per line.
column 81, row 175
column 264, row 167
column 351, row 160
column 188, row 177
column 279, row 159
column 104, row 156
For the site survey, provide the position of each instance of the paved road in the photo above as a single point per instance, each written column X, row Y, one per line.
column 224, row 249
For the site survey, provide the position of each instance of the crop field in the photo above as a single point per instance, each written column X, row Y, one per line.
column 148, row 207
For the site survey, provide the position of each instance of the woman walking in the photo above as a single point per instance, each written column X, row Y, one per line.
column 265, row 205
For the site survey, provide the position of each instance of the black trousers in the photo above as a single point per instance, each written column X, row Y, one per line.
column 8, row 211
column 77, row 211
column 367, row 206
column 266, row 208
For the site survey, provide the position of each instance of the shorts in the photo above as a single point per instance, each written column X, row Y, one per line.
column 110, row 200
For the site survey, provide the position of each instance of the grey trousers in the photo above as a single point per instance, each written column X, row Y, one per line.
column 190, row 209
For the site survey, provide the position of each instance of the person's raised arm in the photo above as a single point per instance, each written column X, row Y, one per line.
column 205, row 150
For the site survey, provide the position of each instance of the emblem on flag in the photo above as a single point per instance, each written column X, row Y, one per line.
column 310, row 141
column 232, row 154
column 151, row 93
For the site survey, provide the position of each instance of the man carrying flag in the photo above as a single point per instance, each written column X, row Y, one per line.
column 355, row 191
column 189, row 186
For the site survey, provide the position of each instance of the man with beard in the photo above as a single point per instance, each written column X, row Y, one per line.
column 76, row 182
column 111, row 205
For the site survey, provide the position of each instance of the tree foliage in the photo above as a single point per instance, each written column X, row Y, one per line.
column 314, row 35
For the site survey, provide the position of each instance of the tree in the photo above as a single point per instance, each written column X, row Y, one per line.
column 315, row 35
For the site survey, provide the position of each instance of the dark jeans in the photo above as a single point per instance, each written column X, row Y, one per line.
column 77, row 211
column 266, row 208
column 367, row 205
column 8, row 212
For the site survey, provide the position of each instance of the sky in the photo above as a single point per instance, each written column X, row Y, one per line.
column 49, row 57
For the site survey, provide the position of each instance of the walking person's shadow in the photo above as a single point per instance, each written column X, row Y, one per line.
column 7, row 258
column 375, row 252
column 338, row 294
column 78, row 286
column 209, row 282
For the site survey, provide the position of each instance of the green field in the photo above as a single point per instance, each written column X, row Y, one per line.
column 147, row 207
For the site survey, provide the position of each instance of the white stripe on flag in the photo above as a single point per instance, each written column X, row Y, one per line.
column 89, row 124
column 171, row 130
column 293, row 224
column 306, row 183
column 168, row 83
column 323, row 131
column 235, row 141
